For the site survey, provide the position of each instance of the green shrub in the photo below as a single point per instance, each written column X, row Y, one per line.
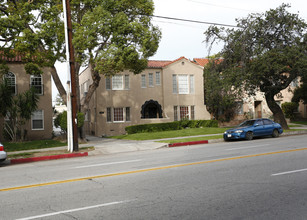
column 61, row 120
column 170, row 126
column 289, row 108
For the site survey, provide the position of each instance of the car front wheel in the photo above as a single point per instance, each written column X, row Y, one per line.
column 275, row 133
column 249, row 135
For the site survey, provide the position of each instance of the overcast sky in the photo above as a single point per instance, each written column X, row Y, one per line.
column 186, row 38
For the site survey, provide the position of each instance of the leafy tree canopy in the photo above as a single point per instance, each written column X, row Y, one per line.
column 265, row 52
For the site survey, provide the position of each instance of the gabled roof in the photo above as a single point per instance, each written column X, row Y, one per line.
column 162, row 63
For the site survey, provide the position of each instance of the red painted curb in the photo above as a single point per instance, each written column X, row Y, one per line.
column 52, row 157
column 188, row 143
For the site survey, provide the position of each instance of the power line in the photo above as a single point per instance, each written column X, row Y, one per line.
column 194, row 21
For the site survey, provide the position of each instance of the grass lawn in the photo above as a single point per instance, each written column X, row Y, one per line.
column 171, row 134
column 30, row 145
column 300, row 122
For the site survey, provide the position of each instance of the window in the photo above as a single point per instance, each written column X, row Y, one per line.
column 192, row 89
column 184, row 112
column 108, row 83
column 183, row 85
column 150, row 79
column 192, row 112
column 239, row 108
column 109, row 115
column 175, row 113
column 117, row 82
column 118, row 114
column 11, row 81
column 36, row 82
column 174, row 83
column 143, row 83
column 127, row 113
column 127, row 82
column 158, row 78
column 38, row 120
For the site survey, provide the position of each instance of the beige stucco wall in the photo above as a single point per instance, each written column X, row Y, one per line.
column 45, row 100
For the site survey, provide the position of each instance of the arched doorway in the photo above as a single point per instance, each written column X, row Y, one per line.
column 151, row 109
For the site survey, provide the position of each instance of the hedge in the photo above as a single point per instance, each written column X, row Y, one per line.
column 169, row 126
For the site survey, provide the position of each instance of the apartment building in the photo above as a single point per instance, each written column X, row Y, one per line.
column 40, row 124
column 165, row 91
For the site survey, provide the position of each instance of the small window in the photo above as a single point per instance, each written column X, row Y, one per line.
column 127, row 82
column 175, row 113
column 184, row 112
column 267, row 122
column 36, row 82
column 239, row 108
column 158, row 78
column 108, row 83
column 143, row 83
column 127, row 113
column 118, row 114
column 174, row 84
column 109, row 115
column 150, row 79
column 192, row 112
column 38, row 120
column 192, row 89
column 11, row 81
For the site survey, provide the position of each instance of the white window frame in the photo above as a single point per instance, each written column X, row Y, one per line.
column 11, row 80
column 183, row 84
column 158, row 78
column 33, row 78
column 143, row 81
column 38, row 117
column 127, row 82
column 117, row 82
column 150, row 80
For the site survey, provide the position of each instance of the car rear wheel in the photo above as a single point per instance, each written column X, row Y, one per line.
column 275, row 133
column 249, row 135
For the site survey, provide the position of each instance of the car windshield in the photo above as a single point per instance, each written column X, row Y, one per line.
column 246, row 123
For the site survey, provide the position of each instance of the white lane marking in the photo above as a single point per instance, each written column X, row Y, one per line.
column 74, row 210
column 289, row 172
column 238, row 148
column 106, row 164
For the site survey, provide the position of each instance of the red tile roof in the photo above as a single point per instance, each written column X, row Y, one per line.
column 162, row 63
column 201, row 61
column 17, row 58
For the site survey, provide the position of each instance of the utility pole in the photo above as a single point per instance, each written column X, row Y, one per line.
column 72, row 129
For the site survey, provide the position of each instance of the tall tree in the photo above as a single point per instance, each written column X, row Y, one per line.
column 109, row 36
column 266, row 52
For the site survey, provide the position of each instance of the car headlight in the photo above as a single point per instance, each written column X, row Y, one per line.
column 238, row 131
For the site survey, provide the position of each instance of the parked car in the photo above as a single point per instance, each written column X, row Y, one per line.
column 2, row 153
column 254, row 128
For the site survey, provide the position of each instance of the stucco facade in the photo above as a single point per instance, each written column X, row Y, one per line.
column 165, row 91
column 40, row 125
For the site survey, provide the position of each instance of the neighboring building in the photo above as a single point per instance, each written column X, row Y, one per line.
column 256, row 106
column 165, row 91
column 40, row 124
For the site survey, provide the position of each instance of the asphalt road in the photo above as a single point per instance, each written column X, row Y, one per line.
column 261, row 179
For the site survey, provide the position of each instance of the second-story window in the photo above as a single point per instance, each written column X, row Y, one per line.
column 36, row 82
column 11, row 81
column 117, row 82
column 143, row 81
column 158, row 78
column 150, row 79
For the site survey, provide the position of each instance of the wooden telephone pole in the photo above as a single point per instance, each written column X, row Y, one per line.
column 71, row 58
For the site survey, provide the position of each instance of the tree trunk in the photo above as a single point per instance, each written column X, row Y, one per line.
column 58, row 84
column 96, row 79
column 276, row 110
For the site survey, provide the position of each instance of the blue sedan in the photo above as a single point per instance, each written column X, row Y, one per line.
column 253, row 128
